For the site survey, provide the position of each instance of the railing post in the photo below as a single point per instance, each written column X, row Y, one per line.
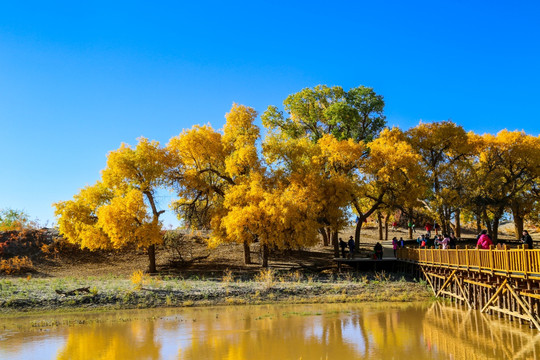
column 525, row 263
column 479, row 259
column 491, row 254
column 506, row 259
column 467, row 256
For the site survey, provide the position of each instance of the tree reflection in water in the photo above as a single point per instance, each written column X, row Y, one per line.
column 348, row 331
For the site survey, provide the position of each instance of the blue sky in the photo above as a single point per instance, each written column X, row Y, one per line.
column 77, row 80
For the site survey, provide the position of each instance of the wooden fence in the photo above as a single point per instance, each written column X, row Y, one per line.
column 516, row 263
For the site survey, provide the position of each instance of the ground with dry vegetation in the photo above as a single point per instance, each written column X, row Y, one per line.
column 191, row 256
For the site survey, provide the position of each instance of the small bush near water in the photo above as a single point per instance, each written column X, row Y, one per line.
column 16, row 265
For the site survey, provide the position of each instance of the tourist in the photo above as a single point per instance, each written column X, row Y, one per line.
column 343, row 246
column 395, row 245
column 453, row 241
column 429, row 241
column 484, row 241
column 378, row 250
column 527, row 239
column 412, row 226
column 428, row 228
column 401, row 242
column 351, row 247
column 394, row 226
column 421, row 240
column 443, row 240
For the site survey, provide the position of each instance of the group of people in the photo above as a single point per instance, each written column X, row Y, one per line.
column 426, row 241
column 444, row 241
column 484, row 240
column 344, row 245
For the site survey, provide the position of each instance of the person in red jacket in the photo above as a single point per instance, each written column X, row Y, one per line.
column 428, row 228
column 484, row 241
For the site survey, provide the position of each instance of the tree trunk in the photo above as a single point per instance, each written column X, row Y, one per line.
column 324, row 236
column 265, row 252
column 518, row 226
column 247, row 253
column 152, row 259
column 152, row 248
column 357, row 233
column 386, row 226
column 518, row 221
column 478, row 224
column 410, row 222
column 379, row 219
column 328, row 234
column 495, row 229
column 335, row 243
column 458, row 223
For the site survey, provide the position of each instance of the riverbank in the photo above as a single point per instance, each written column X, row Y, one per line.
column 18, row 295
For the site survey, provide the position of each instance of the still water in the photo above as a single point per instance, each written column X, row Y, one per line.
column 332, row 331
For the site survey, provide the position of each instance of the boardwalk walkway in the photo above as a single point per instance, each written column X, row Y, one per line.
column 499, row 280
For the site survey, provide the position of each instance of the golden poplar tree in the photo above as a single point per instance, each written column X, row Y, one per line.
column 505, row 176
column 119, row 210
column 444, row 149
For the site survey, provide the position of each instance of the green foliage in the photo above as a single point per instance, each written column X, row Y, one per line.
column 313, row 112
column 12, row 219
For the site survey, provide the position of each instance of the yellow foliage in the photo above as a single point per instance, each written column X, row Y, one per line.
column 120, row 209
column 239, row 138
column 138, row 278
column 16, row 265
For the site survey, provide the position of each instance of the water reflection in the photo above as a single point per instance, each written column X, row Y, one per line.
column 370, row 331
column 469, row 334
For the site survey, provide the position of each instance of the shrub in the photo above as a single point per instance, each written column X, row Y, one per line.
column 228, row 276
column 16, row 265
column 266, row 276
column 138, row 278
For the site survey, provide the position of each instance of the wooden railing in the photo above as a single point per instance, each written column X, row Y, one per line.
column 516, row 263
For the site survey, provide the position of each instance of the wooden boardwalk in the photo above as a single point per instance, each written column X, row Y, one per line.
column 499, row 280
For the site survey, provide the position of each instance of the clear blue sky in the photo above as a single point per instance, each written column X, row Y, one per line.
column 77, row 80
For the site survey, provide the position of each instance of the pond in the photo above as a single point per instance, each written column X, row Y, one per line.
column 329, row 331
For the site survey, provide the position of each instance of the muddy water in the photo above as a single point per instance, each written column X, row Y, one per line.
column 334, row 331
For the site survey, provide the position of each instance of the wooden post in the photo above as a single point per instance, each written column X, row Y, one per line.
column 467, row 256
column 491, row 254
column 525, row 264
column 506, row 260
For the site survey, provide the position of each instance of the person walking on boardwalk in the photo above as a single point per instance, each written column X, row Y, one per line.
column 351, row 247
column 453, row 241
column 484, row 241
column 443, row 240
column 343, row 246
column 378, row 250
column 395, row 245
column 527, row 239
column 421, row 241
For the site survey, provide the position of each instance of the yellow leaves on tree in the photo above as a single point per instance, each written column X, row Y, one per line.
column 506, row 174
column 393, row 168
column 278, row 215
column 126, row 220
column 239, row 137
column 119, row 210
column 77, row 218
